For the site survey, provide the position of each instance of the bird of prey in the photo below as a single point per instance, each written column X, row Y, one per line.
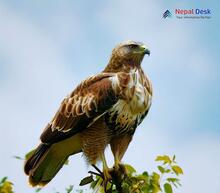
column 105, row 109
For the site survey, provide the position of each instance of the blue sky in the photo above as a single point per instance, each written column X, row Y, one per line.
column 47, row 48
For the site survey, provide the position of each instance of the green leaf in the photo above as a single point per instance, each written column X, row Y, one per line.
column 167, row 171
column 130, row 169
column 155, row 182
column 18, row 157
column 6, row 186
column 161, row 169
column 156, row 188
column 3, row 180
column 166, row 159
column 145, row 173
column 156, row 177
column 93, row 184
column 96, row 183
column 178, row 170
column 38, row 189
column 126, row 187
column 86, row 180
column 168, row 188
column 142, row 179
column 174, row 181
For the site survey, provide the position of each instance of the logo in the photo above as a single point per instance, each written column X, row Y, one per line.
column 166, row 14
column 192, row 11
column 188, row 13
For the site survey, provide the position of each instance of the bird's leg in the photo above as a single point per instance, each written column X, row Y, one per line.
column 119, row 146
column 117, row 161
column 106, row 170
column 118, row 166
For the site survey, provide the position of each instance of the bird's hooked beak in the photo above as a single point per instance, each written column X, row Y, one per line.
column 145, row 49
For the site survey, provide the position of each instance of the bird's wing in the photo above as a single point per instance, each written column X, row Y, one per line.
column 88, row 101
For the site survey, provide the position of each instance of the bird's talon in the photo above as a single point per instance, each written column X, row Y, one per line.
column 107, row 178
column 120, row 170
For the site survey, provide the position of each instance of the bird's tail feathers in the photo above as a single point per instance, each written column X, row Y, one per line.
column 43, row 165
column 35, row 157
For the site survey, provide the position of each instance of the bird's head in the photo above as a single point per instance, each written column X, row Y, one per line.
column 131, row 49
column 128, row 54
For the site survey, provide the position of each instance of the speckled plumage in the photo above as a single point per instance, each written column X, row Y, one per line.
column 104, row 109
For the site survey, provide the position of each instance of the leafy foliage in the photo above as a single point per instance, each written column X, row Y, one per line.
column 162, row 181
column 128, row 181
column 6, row 186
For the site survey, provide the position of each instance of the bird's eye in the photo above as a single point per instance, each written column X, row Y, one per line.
column 132, row 46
